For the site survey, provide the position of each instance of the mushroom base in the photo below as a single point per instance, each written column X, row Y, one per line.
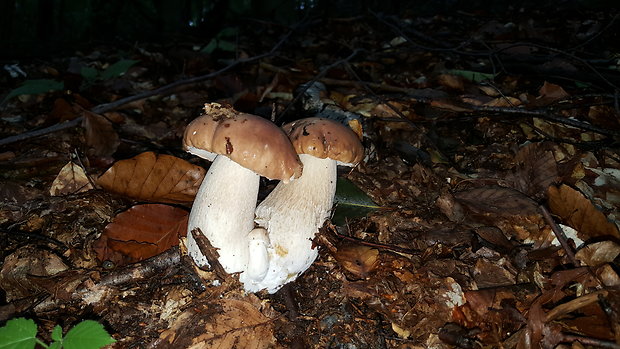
column 292, row 214
column 224, row 212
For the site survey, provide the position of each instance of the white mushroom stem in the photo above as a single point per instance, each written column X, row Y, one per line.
column 226, row 200
column 292, row 215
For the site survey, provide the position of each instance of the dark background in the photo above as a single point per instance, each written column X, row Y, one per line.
column 38, row 28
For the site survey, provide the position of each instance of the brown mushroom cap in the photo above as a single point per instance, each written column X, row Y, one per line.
column 324, row 138
column 249, row 140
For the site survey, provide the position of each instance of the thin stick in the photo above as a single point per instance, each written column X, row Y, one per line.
column 559, row 233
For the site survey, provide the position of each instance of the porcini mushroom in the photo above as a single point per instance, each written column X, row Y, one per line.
column 293, row 212
column 242, row 148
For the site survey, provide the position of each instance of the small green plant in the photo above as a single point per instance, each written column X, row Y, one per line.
column 21, row 333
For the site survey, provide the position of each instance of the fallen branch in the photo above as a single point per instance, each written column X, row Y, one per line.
column 163, row 91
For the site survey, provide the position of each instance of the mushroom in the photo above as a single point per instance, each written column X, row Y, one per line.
column 242, row 148
column 293, row 212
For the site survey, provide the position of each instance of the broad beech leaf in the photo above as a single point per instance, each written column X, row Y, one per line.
column 578, row 212
column 351, row 202
column 141, row 232
column 155, row 178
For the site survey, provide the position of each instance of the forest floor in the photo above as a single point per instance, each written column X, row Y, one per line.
column 490, row 188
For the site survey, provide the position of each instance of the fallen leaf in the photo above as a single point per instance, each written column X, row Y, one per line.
column 141, row 232
column 70, row 180
column 359, row 260
column 231, row 323
column 578, row 212
column 152, row 177
column 552, row 92
column 598, row 253
column 100, row 135
column 498, row 200
column 535, row 170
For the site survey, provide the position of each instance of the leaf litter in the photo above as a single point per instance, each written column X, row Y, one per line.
column 452, row 247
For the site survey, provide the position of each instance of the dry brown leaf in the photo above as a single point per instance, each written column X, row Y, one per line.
column 239, row 325
column 357, row 259
column 535, row 170
column 100, row 135
column 552, row 92
column 231, row 323
column 598, row 253
column 141, row 232
column 497, row 200
column 70, row 180
column 151, row 177
column 578, row 212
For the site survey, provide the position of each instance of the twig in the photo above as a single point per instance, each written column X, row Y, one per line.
column 559, row 233
column 164, row 90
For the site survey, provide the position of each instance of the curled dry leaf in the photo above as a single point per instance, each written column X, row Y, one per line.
column 100, row 135
column 357, row 259
column 70, row 180
column 151, row 177
column 141, row 232
column 578, row 212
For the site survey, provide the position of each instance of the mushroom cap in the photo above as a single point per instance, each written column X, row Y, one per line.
column 249, row 140
column 324, row 138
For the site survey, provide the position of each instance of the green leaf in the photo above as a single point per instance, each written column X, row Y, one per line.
column 210, row 47
column 226, row 45
column 117, row 69
column 473, row 76
column 351, row 202
column 55, row 345
column 18, row 333
column 35, row 87
column 227, row 32
column 89, row 73
column 57, row 333
column 88, row 334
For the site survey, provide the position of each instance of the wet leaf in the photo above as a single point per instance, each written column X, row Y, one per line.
column 141, row 232
column 70, row 180
column 351, row 202
column 100, row 135
column 152, row 177
column 578, row 212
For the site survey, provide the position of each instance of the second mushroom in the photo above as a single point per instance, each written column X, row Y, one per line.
column 294, row 212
